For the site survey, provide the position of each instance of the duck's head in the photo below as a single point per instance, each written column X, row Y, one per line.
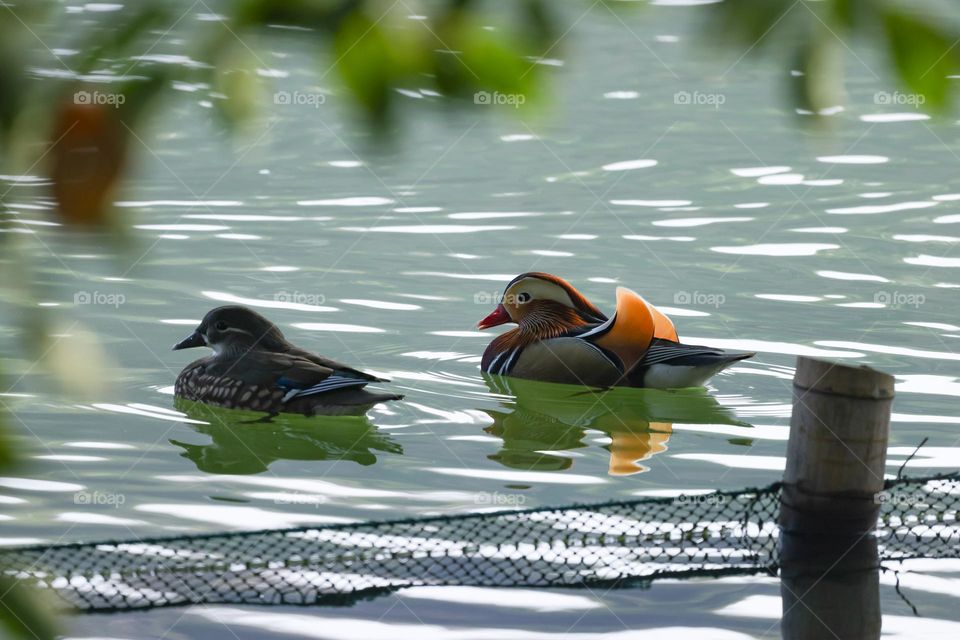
column 234, row 328
column 544, row 303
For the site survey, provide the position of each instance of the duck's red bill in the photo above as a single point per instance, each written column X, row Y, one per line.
column 498, row 317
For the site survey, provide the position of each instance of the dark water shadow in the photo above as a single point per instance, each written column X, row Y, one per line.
column 244, row 443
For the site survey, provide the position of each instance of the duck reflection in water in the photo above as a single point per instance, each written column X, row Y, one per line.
column 542, row 418
column 246, row 443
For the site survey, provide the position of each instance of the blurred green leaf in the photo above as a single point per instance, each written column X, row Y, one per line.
column 923, row 56
column 7, row 454
column 496, row 62
column 22, row 615
column 15, row 37
column 75, row 357
column 140, row 95
column 818, row 81
column 540, row 24
column 366, row 65
column 120, row 31
column 920, row 50
column 750, row 23
column 236, row 78
column 316, row 14
column 851, row 14
column 12, row 82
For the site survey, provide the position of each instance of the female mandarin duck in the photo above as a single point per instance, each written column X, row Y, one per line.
column 253, row 367
column 562, row 337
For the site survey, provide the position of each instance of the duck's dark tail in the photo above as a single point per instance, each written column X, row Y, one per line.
column 729, row 357
column 689, row 355
column 668, row 364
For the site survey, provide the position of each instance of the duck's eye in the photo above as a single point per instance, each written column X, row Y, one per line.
column 523, row 297
column 221, row 326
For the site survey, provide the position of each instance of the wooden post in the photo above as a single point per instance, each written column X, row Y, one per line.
column 836, row 459
column 837, row 452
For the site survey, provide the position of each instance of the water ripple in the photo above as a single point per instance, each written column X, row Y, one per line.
column 882, row 208
column 894, row 117
column 933, row 261
column 356, row 201
column 487, row 215
column 178, row 203
column 651, row 203
column 696, row 222
column 784, row 249
column 757, row 172
column 843, row 275
column 180, row 227
column 330, row 326
column 853, row 159
column 430, row 228
column 785, row 348
column 222, row 296
column 883, row 348
column 628, row 165
column 380, row 304
column 518, row 476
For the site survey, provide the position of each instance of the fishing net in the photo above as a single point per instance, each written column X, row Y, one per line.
column 612, row 544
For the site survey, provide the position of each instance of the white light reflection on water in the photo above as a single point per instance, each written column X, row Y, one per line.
column 342, row 628
column 782, row 250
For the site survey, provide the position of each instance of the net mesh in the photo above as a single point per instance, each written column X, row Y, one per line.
column 614, row 544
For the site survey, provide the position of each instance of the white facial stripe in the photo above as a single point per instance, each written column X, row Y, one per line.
column 237, row 330
column 540, row 290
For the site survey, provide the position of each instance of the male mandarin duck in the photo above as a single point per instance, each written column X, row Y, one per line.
column 253, row 367
column 562, row 337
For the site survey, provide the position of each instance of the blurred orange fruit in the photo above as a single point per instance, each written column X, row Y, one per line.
column 88, row 156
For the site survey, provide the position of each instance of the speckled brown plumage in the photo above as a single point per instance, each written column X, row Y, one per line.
column 254, row 368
